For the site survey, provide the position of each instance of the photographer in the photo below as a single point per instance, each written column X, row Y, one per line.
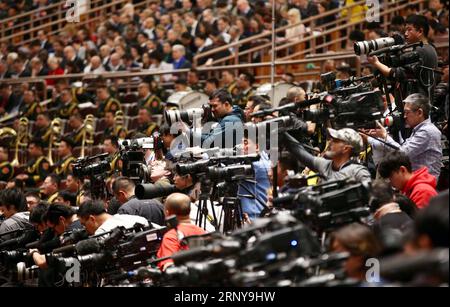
column 60, row 218
column 417, row 29
column 94, row 218
column 14, row 207
column 424, row 146
column 150, row 209
column 338, row 162
column 229, row 118
column 253, row 195
column 419, row 185
column 179, row 205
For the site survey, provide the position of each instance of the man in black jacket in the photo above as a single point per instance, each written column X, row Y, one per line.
column 150, row 209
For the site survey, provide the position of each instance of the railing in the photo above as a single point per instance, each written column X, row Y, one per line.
column 131, row 79
column 335, row 27
column 56, row 22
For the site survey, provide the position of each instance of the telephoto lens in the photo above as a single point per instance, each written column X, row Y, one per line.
column 365, row 47
column 150, row 191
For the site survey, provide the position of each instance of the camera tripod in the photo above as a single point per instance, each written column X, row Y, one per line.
column 203, row 213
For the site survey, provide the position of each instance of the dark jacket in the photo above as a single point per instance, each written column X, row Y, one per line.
column 150, row 209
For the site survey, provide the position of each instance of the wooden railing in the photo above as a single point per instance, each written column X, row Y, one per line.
column 55, row 22
column 131, row 79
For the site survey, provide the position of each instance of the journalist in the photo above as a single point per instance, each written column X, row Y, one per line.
column 14, row 207
column 416, row 31
column 96, row 220
column 179, row 205
column 150, row 209
column 254, row 194
column 229, row 119
column 339, row 160
column 424, row 146
column 418, row 185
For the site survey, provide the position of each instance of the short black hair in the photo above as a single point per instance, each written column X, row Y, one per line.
column 392, row 162
column 433, row 221
column 68, row 141
column 38, row 213
column 257, row 100
column 382, row 194
column 55, row 179
column 248, row 77
column 215, row 81
column 114, row 140
column 68, row 196
column 37, row 142
column 123, row 183
column 223, row 95
column 55, row 211
column 91, row 208
column 357, row 36
column 419, row 22
column 13, row 198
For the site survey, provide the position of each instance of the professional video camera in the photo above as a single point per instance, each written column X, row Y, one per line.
column 357, row 110
column 200, row 167
column 173, row 116
column 111, row 252
column 132, row 153
column 95, row 169
column 89, row 167
column 329, row 205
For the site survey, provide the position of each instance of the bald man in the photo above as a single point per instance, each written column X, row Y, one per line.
column 95, row 66
column 179, row 205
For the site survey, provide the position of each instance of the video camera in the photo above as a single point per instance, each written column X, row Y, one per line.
column 111, row 252
column 94, row 166
column 132, row 153
column 329, row 205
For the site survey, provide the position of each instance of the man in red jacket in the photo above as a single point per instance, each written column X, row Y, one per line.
column 180, row 205
column 419, row 186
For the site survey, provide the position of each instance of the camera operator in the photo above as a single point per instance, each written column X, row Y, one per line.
column 229, row 118
column 60, row 218
column 339, row 159
column 253, row 195
column 424, row 146
column 150, row 209
column 387, row 213
column 94, row 218
column 419, row 185
column 179, row 205
column 14, row 207
column 416, row 31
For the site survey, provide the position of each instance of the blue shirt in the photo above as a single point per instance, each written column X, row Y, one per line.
column 259, row 189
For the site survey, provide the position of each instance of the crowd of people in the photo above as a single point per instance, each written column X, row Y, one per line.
column 407, row 164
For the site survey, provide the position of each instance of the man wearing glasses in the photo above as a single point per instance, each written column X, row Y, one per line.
column 423, row 147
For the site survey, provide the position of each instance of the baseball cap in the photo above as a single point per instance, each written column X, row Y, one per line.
column 349, row 136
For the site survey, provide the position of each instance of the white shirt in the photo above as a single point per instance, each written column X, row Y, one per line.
column 125, row 220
